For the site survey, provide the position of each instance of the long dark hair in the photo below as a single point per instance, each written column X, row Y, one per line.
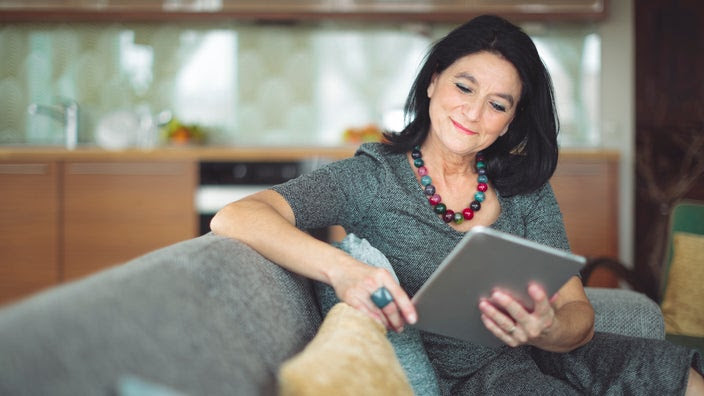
column 525, row 157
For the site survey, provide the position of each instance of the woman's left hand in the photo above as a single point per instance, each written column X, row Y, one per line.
column 512, row 323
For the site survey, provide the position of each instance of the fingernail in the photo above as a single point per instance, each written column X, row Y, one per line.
column 412, row 318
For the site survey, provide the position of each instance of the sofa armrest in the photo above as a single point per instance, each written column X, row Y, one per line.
column 626, row 312
column 206, row 316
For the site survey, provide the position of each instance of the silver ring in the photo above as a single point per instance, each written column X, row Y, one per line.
column 381, row 297
column 511, row 330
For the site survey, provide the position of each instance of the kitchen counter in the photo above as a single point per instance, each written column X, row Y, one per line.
column 222, row 153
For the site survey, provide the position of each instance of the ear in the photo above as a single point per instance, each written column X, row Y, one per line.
column 431, row 86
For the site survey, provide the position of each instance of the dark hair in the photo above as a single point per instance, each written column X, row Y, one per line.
column 525, row 157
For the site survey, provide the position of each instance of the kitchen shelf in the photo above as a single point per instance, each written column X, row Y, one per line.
column 298, row 10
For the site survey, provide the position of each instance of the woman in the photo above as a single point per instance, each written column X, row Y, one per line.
column 482, row 140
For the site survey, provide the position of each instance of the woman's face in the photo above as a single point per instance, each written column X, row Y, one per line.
column 473, row 101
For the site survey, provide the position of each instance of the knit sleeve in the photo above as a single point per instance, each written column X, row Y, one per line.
column 336, row 194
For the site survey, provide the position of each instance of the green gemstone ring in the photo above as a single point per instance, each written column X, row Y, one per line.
column 381, row 297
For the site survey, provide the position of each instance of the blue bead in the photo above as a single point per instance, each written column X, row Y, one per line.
column 426, row 180
column 479, row 196
column 483, row 179
column 418, row 162
column 429, row 189
column 415, row 154
column 481, row 171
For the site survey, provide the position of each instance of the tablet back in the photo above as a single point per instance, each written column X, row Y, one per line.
column 448, row 302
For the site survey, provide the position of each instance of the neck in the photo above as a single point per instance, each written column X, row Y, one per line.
column 447, row 164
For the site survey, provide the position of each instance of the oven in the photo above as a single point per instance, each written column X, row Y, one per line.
column 222, row 182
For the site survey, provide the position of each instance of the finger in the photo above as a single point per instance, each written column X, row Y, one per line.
column 504, row 323
column 403, row 304
column 404, row 307
column 384, row 301
column 540, row 299
column 497, row 331
column 364, row 303
column 513, row 308
column 375, row 313
column 393, row 315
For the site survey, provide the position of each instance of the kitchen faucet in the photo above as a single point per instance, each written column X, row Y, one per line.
column 66, row 112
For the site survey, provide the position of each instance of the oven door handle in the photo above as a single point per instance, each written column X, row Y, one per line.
column 209, row 199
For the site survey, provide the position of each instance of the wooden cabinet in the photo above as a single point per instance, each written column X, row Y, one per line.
column 29, row 237
column 115, row 211
column 418, row 10
column 586, row 187
column 78, row 212
column 60, row 220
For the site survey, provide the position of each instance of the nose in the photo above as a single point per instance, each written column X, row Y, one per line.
column 472, row 109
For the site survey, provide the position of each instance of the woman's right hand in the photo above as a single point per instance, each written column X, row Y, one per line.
column 354, row 284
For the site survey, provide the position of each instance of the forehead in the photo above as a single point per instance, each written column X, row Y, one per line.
column 486, row 68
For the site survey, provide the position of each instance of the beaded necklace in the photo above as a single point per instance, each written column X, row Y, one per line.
column 435, row 200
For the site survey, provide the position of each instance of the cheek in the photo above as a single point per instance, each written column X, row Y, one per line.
column 499, row 125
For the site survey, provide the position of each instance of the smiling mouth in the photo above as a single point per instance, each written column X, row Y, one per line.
column 462, row 128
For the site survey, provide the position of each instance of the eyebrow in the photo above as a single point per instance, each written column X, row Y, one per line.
column 507, row 97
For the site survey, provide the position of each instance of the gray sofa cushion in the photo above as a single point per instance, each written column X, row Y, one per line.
column 626, row 312
column 207, row 316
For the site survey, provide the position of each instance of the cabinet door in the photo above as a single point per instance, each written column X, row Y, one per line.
column 587, row 191
column 28, row 228
column 116, row 211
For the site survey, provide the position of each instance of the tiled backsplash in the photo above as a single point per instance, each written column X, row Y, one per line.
column 251, row 84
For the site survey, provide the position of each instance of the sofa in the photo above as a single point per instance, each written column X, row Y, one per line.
column 206, row 316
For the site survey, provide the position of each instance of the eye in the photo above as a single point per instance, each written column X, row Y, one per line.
column 498, row 107
column 463, row 88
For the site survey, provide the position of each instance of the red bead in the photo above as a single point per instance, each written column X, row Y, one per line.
column 434, row 199
column 482, row 187
column 448, row 216
column 467, row 213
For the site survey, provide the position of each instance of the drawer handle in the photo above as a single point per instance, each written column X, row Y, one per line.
column 143, row 169
column 24, row 169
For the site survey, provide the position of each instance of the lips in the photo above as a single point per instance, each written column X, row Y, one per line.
column 462, row 128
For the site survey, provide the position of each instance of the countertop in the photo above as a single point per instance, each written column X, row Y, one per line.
column 221, row 153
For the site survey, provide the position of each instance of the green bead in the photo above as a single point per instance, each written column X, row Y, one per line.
column 425, row 180
column 480, row 165
column 440, row 208
column 418, row 162
column 458, row 218
column 483, row 179
column 479, row 196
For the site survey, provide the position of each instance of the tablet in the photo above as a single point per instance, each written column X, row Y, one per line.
column 448, row 302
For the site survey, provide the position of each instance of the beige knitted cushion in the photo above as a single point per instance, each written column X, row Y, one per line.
column 350, row 355
column 683, row 304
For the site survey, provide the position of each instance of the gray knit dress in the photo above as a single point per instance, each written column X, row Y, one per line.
column 376, row 196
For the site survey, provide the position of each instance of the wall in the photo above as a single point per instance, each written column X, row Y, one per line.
column 618, row 111
column 254, row 84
